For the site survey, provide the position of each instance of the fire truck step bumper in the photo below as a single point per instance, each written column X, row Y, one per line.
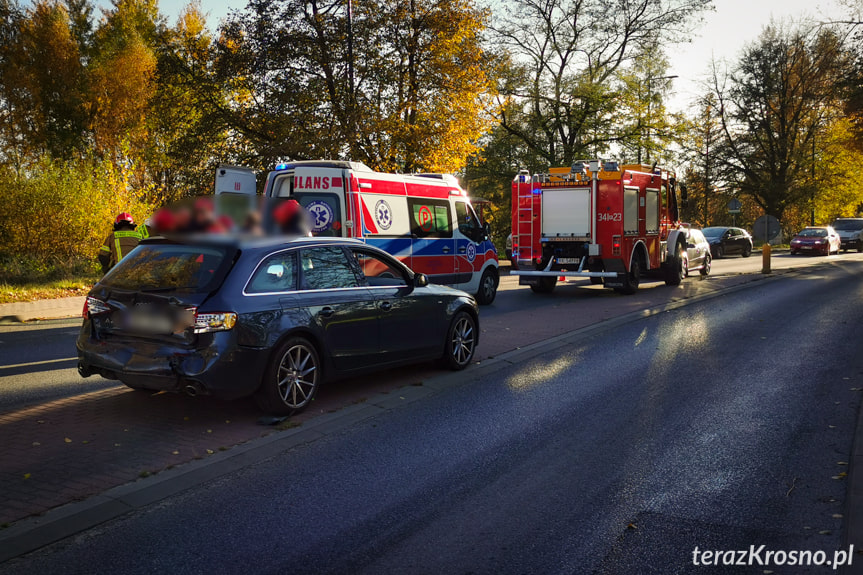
column 555, row 274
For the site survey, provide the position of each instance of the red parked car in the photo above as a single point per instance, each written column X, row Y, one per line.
column 816, row 240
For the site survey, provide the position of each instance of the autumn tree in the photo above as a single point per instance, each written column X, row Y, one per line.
column 773, row 106
column 703, row 151
column 44, row 84
column 122, row 71
column 570, row 63
column 409, row 99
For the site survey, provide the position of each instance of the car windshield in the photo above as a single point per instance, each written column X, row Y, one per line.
column 713, row 232
column 168, row 268
column 813, row 233
column 847, row 225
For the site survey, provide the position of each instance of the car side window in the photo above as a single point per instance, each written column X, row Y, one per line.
column 277, row 273
column 430, row 218
column 378, row 272
column 326, row 268
column 467, row 223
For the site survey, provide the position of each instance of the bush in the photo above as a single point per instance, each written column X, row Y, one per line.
column 54, row 217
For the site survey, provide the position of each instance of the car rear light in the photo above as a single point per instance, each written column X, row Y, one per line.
column 210, row 322
column 94, row 306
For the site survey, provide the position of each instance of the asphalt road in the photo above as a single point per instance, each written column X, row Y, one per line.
column 37, row 361
column 721, row 425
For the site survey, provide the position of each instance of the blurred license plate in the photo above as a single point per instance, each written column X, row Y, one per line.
column 145, row 322
column 807, row 247
column 568, row 260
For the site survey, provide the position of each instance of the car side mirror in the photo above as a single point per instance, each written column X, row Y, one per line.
column 421, row 280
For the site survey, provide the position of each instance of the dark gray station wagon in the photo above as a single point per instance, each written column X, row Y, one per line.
column 273, row 317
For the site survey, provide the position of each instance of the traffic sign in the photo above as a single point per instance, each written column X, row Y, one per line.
column 766, row 228
column 734, row 206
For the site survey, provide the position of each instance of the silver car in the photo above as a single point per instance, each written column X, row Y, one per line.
column 697, row 255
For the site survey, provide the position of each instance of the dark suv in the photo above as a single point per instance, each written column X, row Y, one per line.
column 232, row 317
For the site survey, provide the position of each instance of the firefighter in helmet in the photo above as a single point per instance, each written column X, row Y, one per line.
column 120, row 242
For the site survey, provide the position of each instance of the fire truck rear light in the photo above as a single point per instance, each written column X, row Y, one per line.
column 615, row 245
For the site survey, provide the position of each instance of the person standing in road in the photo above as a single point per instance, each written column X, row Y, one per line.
column 119, row 242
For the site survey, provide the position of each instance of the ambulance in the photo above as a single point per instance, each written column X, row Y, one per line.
column 425, row 220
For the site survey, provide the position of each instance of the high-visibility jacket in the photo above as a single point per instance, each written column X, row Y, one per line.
column 144, row 231
column 116, row 246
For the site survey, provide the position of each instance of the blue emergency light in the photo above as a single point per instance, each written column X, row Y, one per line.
column 281, row 166
column 537, row 191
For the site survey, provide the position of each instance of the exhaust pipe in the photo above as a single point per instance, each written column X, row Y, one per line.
column 195, row 388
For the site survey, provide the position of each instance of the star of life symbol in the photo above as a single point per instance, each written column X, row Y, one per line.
column 471, row 252
column 383, row 214
column 322, row 214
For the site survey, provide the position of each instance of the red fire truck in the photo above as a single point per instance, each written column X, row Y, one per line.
column 608, row 222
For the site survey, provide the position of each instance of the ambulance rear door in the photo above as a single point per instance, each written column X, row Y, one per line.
column 321, row 190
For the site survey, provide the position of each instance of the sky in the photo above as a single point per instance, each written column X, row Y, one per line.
column 721, row 36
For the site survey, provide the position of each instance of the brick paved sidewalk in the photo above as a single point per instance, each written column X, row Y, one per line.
column 70, row 449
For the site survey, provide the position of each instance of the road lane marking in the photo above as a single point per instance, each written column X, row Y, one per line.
column 35, row 363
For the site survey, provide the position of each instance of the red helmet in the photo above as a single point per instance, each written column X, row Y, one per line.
column 124, row 217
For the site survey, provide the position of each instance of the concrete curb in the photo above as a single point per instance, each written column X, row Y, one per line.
column 854, row 501
column 33, row 533
column 21, row 312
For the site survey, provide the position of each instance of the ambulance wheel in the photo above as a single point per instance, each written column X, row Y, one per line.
column 461, row 340
column 631, row 280
column 291, row 379
column 487, row 286
column 545, row 285
column 675, row 268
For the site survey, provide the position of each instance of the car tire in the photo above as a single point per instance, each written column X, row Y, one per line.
column 291, row 379
column 719, row 253
column 747, row 251
column 705, row 267
column 545, row 285
column 461, row 340
column 487, row 286
column 631, row 279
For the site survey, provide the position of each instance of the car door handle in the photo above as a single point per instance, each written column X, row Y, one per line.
column 327, row 312
column 445, row 249
column 386, row 306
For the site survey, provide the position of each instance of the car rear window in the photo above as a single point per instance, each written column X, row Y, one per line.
column 170, row 267
column 813, row 233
